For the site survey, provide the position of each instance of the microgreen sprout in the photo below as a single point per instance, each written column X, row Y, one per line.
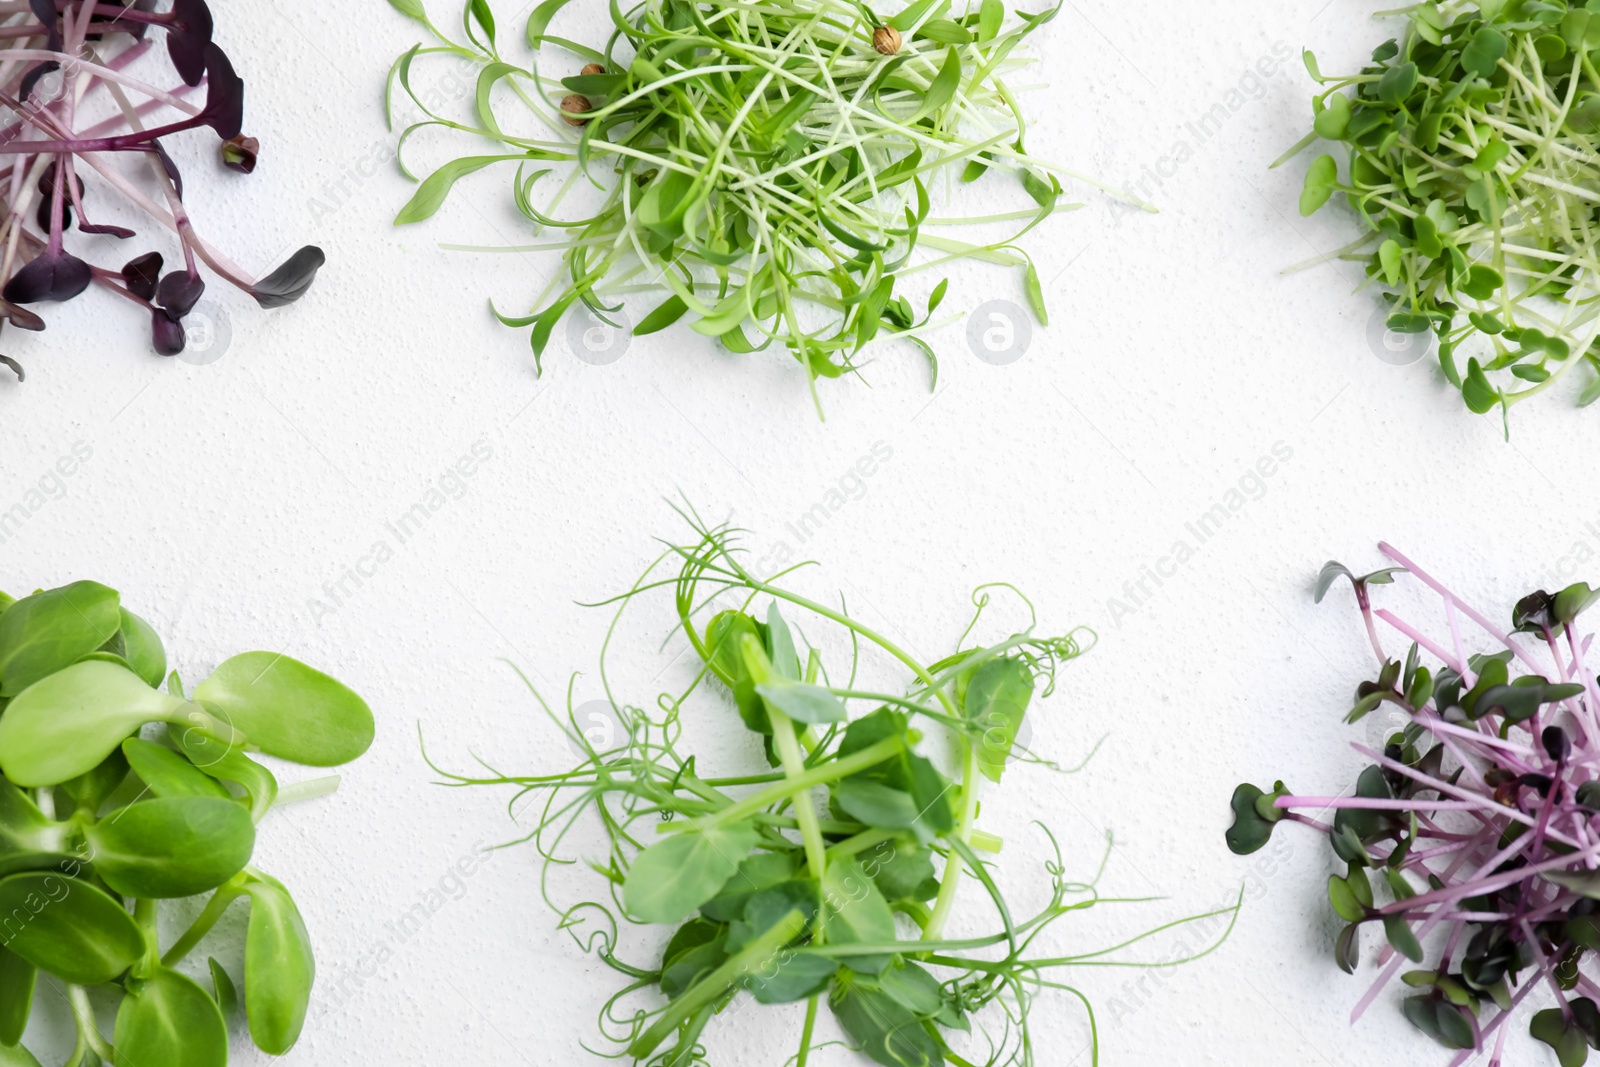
column 1476, row 821
column 763, row 169
column 1471, row 147
column 117, row 797
column 83, row 114
column 829, row 870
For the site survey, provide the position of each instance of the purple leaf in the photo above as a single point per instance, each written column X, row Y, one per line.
column 169, row 166
column 47, row 190
column 290, row 281
column 106, row 228
column 31, row 79
column 179, row 291
column 45, row 12
column 142, row 274
column 224, row 110
column 166, row 333
column 189, row 40
column 53, row 275
column 21, row 317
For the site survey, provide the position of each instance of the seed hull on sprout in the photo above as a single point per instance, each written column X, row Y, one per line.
column 761, row 170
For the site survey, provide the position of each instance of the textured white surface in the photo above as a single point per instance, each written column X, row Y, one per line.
column 228, row 500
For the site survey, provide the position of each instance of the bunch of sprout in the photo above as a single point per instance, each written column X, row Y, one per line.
column 118, row 798
column 1479, row 821
column 1471, row 147
column 827, row 872
column 763, row 169
column 81, row 118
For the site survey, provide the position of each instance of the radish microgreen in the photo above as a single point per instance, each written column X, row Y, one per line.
column 763, row 169
column 79, row 96
column 1470, row 145
column 826, row 871
column 1476, row 821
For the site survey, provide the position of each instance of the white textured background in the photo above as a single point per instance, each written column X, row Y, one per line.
column 227, row 500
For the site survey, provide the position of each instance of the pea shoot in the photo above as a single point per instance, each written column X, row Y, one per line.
column 100, row 825
column 1471, row 161
column 762, row 169
column 1470, row 837
column 827, row 870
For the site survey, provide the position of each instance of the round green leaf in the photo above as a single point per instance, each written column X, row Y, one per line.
column 1397, row 83
column 997, row 701
column 68, row 723
column 18, row 978
column 803, row 702
column 880, row 806
column 47, row 631
column 886, row 1031
column 67, row 927
column 278, row 967
column 672, row 878
column 169, row 774
column 1483, row 52
column 168, row 1019
column 172, row 847
column 142, row 648
column 855, row 913
column 227, row 764
column 288, row 709
column 1322, row 178
column 1334, row 118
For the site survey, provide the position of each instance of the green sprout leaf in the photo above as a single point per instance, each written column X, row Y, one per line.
column 671, row 878
column 45, row 632
column 1321, row 180
column 72, row 930
column 288, row 709
column 172, row 847
column 168, row 1019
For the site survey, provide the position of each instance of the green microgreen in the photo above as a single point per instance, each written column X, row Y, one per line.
column 762, row 169
column 1470, row 149
column 829, row 870
column 117, row 796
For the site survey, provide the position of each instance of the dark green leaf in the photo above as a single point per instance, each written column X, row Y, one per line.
column 45, row 632
column 168, row 1019
column 68, row 927
column 172, row 847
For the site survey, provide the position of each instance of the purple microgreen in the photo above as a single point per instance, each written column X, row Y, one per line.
column 189, row 40
column 179, row 292
column 104, row 135
column 291, row 280
column 166, row 333
column 55, row 274
column 142, row 275
column 1476, row 815
column 16, row 368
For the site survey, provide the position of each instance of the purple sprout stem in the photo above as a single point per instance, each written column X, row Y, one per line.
column 1471, row 613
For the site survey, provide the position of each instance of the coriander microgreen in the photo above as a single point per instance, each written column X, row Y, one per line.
column 74, row 111
column 113, row 819
column 829, row 872
column 1470, row 152
column 1475, row 818
column 763, row 168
